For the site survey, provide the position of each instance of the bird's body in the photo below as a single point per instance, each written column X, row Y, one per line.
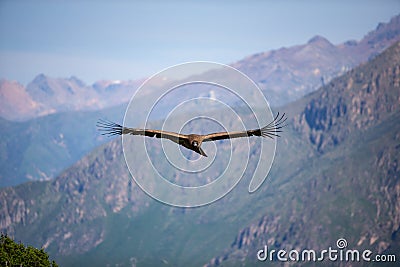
column 194, row 141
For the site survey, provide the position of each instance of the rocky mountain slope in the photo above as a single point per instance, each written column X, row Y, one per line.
column 351, row 189
column 335, row 175
column 284, row 75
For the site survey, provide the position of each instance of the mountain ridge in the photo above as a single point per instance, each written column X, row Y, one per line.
column 290, row 73
column 284, row 75
column 63, row 96
column 46, row 95
column 93, row 213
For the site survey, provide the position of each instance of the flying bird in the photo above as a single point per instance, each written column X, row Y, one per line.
column 194, row 141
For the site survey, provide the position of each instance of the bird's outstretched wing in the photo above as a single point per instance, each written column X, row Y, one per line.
column 110, row 128
column 271, row 130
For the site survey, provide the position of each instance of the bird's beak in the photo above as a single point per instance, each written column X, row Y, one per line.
column 202, row 152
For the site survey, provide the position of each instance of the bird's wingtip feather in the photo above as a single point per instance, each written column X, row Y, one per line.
column 108, row 128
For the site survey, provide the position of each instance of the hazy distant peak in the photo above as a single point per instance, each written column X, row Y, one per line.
column 319, row 40
column 39, row 78
column 77, row 81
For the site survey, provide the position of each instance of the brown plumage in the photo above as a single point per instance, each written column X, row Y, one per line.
column 194, row 141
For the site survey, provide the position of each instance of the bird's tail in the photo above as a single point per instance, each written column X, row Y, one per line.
column 108, row 127
column 274, row 127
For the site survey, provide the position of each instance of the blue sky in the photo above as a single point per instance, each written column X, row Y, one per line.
column 122, row 40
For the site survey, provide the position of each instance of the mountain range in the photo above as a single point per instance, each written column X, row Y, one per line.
column 284, row 75
column 41, row 137
column 288, row 74
column 46, row 95
column 335, row 175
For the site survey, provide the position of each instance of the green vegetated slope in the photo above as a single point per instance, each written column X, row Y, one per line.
column 335, row 175
column 41, row 148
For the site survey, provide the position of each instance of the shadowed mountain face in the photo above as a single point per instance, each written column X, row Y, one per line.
column 352, row 102
column 284, row 75
column 39, row 149
column 335, row 175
